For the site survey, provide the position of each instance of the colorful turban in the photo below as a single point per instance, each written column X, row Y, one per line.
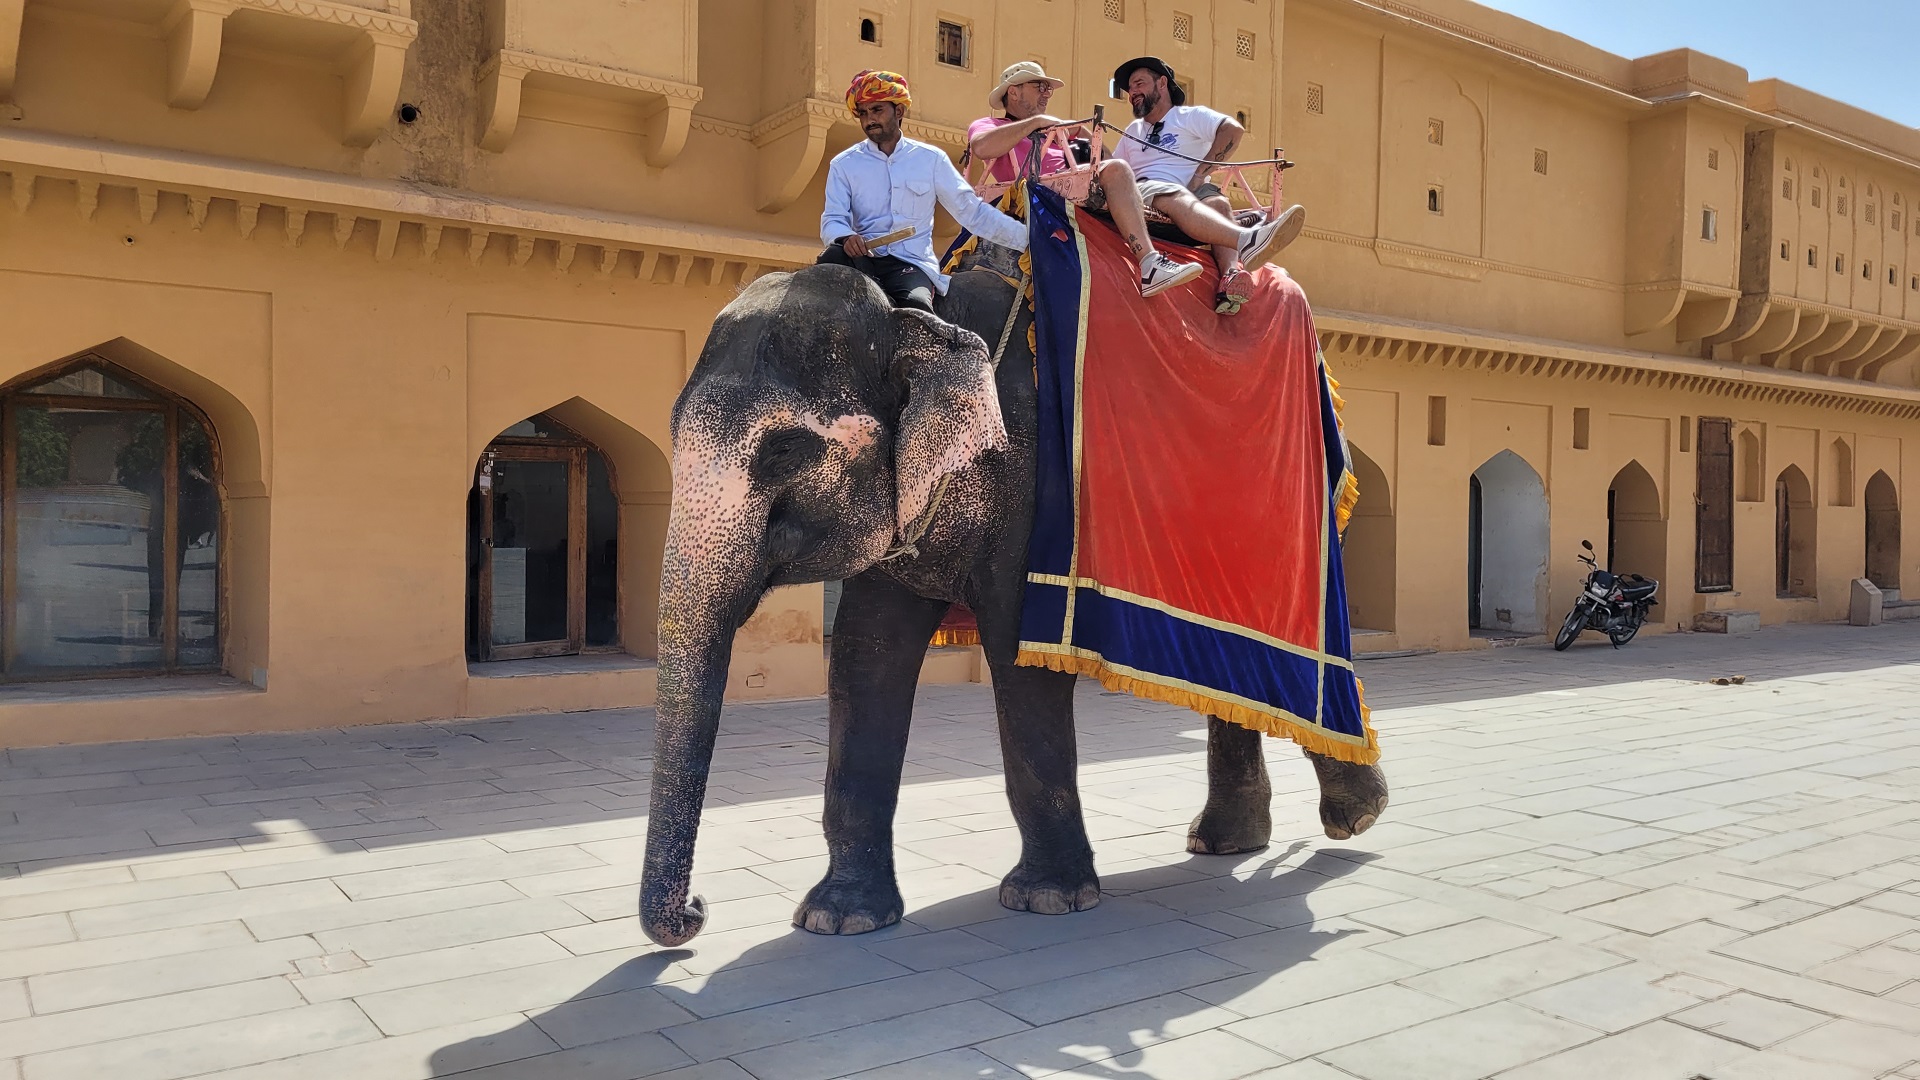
column 871, row 86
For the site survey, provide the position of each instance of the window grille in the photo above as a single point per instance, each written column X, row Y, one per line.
column 1183, row 27
column 1243, row 44
column 1316, row 98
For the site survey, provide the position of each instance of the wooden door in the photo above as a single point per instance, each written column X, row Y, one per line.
column 531, row 583
column 1713, row 506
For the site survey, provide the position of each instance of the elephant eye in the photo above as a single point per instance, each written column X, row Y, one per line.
column 785, row 454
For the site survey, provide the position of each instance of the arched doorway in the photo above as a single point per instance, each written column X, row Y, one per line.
column 1367, row 550
column 543, row 531
column 1883, row 533
column 1506, row 546
column 113, row 526
column 1793, row 534
column 1636, row 530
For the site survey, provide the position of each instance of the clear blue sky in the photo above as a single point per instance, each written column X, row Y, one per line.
column 1861, row 52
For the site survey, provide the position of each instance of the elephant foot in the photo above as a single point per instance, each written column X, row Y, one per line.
column 1352, row 797
column 840, row 906
column 1233, row 826
column 1049, row 892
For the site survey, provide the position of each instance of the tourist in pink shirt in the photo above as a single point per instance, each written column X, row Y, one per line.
column 1021, row 100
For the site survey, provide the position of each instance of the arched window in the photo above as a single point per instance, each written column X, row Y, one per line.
column 1794, row 553
column 543, row 546
column 112, row 517
column 1840, row 473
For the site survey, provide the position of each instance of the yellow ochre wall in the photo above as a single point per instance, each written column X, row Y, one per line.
column 365, row 237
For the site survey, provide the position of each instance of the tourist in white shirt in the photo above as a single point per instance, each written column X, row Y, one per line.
column 1176, row 186
column 888, row 182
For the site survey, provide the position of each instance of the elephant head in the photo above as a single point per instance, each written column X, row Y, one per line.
column 814, row 428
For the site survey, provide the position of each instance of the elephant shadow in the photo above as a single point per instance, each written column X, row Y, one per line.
column 968, row 988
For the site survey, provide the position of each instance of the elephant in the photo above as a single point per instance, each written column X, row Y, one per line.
column 818, row 428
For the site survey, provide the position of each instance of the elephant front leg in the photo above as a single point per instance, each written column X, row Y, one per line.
column 1055, row 874
column 879, row 641
column 1352, row 797
column 1238, row 816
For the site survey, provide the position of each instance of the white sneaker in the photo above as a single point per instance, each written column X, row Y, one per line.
column 1272, row 236
column 1159, row 273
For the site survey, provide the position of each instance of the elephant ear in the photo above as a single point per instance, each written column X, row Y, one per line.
column 952, row 415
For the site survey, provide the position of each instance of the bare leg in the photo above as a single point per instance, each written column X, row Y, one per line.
column 1224, row 257
column 1200, row 221
column 1123, row 203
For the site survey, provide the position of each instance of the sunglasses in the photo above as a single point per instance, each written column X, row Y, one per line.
column 1153, row 137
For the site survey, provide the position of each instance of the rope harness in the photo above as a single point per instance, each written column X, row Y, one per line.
column 916, row 530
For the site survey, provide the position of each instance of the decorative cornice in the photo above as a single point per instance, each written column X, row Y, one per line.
column 726, row 129
column 670, row 103
column 815, row 110
column 340, row 14
column 408, row 218
column 1357, row 335
column 526, row 62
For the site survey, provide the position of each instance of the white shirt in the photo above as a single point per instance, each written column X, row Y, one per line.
column 871, row 193
column 1188, row 129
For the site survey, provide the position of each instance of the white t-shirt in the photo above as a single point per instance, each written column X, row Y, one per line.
column 1188, row 129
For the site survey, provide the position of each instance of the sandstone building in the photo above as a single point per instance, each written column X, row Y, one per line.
column 338, row 337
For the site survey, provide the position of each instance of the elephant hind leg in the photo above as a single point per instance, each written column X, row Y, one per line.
column 1238, row 816
column 879, row 641
column 1352, row 797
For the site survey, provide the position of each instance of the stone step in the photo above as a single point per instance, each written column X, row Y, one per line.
column 1900, row 609
column 1726, row 622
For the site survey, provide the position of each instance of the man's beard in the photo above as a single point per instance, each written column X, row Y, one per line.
column 1146, row 104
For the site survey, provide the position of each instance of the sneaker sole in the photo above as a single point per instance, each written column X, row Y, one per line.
column 1188, row 273
column 1290, row 225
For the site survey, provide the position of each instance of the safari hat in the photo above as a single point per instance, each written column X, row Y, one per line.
column 1025, row 71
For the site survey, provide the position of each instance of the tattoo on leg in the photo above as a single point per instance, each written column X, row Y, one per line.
column 1138, row 247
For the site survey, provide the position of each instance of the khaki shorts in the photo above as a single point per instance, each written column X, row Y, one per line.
column 1149, row 191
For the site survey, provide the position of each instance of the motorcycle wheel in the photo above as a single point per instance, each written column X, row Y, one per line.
column 1620, row 635
column 1576, row 622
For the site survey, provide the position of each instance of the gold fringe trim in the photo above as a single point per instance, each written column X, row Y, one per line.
column 1307, row 735
column 1349, row 483
column 1349, row 498
column 945, row 638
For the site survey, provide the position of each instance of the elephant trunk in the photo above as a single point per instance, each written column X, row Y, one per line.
column 701, row 606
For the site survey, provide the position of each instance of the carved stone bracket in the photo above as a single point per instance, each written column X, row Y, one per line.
column 667, row 105
column 789, row 146
column 193, row 31
column 371, row 67
column 12, row 12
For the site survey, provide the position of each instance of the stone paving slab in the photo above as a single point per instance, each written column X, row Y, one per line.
column 1596, row 864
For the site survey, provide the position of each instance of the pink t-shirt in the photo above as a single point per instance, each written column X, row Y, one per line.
column 1008, row 168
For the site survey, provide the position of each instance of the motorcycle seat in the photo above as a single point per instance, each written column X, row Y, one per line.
column 1638, row 590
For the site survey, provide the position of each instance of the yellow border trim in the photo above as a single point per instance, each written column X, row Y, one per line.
column 1253, row 715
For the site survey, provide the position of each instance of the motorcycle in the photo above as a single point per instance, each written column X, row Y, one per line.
column 1612, row 603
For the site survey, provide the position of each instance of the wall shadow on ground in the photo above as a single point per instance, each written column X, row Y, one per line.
column 1775, row 652
column 1012, row 971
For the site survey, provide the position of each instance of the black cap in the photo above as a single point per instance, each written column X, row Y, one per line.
column 1154, row 64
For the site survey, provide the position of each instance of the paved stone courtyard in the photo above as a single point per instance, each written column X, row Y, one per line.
column 1597, row 864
